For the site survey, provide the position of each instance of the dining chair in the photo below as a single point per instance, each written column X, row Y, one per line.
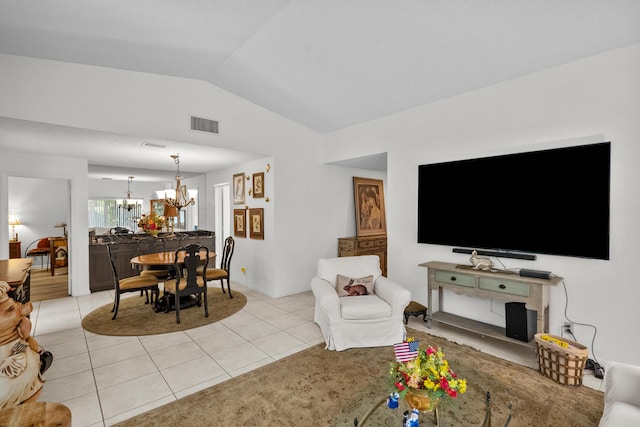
column 151, row 245
column 139, row 283
column 224, row 271
column 187, row 281
column 42, row 250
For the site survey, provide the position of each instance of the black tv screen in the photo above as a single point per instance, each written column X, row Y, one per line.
column 544, row 202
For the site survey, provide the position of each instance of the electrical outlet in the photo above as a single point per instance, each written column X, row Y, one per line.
column 568, row 327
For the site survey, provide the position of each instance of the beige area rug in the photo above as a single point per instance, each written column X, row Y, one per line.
column 317, row 387
column 137, row 318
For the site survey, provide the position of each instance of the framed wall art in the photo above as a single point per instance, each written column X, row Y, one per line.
column 258, row 185
column 369, row 202
column 157, row 206
column 256, row 223
column 238, row 189
column 239, row 228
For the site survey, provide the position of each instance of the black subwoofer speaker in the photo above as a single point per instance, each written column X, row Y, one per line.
column 521, row 322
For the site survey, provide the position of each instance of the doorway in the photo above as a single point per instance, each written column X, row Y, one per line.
column 42, row 205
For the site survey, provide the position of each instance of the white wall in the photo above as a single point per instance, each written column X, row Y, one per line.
column 113, row 189
column 132, row 103
column 312, row 203
column 40, row 204
column 595, row 99
column 309, row 231
column 51, row 170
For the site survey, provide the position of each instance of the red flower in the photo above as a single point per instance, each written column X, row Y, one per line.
column 444, row 383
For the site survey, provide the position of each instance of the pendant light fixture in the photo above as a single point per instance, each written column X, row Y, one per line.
column 129, row 204
column 180, row 199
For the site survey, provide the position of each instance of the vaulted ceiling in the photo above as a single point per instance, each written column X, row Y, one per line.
column 325, row 64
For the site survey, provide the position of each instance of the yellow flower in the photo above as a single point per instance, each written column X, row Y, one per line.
column 429, row 371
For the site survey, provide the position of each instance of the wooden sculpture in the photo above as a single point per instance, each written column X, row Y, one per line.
column 20, row 377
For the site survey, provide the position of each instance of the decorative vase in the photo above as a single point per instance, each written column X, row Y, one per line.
column 153, row 233
column 420, row 400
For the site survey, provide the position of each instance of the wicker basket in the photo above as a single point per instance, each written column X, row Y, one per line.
column 564, row 365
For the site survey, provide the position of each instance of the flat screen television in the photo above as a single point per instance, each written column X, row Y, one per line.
column 542, row 202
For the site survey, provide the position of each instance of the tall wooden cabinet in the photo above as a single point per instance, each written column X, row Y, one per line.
column 369, row 245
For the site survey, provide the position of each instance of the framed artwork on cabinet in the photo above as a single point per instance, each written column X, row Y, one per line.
column 238, row 189
column 369, row 203
column 239, row 228
column 256, row 223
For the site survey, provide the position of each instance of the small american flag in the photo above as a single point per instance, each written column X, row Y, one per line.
column 406, row 351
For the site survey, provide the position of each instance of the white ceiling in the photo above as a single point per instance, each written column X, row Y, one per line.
column 326, row 64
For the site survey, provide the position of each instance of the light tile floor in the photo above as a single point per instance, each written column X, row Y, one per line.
column 104, row 379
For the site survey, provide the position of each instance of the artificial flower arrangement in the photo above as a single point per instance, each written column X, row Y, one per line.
column 151, row 223
column 425, row 370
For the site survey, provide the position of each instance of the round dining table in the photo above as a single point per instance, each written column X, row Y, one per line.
column 167, row 261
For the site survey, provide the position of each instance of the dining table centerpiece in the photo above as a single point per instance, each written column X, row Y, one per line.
column 152, row 224
column 422, row 376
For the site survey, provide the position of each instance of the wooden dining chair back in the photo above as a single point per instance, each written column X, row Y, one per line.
column 224, row 272
column 137, row 283
column 187, row 281
column 152, row 245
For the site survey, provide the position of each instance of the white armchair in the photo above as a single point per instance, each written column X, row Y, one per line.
column 621, row 395
column 373, row 320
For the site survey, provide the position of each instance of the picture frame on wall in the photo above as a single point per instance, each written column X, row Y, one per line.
column 238, row 189
column 369, row 203
column 239, row 228
column 258, row 185
column 157, row 206
column 256, row 223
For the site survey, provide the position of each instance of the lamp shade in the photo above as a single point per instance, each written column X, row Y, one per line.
column 170, row 211
column 13, row 219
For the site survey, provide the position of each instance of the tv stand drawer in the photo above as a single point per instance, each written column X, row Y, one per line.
column 456, row 279
column 504, row 286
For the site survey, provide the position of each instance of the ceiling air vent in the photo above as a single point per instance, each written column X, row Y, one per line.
column 204, row 125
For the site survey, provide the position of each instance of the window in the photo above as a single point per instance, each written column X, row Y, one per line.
column 107, row 213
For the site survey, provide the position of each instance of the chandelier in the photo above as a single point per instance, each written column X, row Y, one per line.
column 128, row 203
column 180, row 200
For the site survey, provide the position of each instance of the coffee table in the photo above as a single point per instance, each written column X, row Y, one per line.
column 381, row 415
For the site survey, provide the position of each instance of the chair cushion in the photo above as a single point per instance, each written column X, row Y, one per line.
column 37, row 251
column 156, row 273
column 214, row 273
column 365, row 307
column 138, row 282
column 346, row 286
column 170, row 285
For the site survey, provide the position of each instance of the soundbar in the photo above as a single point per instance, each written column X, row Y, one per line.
column 498, row 254
column 537, row 274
